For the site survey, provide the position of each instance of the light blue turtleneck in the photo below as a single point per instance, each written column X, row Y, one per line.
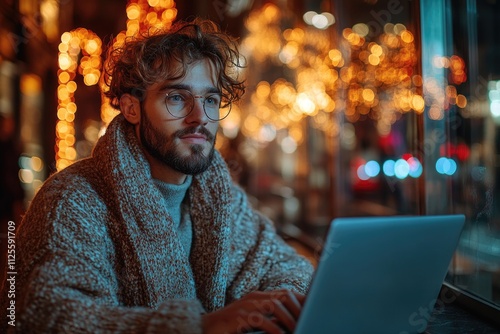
column 174, row 195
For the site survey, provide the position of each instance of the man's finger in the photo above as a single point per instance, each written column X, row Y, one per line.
column 283, row 315
column 292, row 304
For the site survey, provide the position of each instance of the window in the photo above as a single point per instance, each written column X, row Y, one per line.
column 471, row 29
column 439, row 151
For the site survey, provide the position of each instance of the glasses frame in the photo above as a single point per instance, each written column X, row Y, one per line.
column 185, row 92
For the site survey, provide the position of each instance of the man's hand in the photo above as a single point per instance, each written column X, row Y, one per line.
column 272, row 312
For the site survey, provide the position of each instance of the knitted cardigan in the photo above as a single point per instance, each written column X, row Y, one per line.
column 97, row 251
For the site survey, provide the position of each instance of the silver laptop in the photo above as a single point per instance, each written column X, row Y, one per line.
column 380, row 274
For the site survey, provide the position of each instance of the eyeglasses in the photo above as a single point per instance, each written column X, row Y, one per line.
column 180, row 103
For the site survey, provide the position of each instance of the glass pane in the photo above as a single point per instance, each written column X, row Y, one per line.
column 476, row 188
column 430, row 144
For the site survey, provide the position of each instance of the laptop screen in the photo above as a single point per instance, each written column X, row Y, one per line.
column 380, row 274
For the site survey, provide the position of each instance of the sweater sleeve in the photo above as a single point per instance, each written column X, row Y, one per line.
column 66, row 295
column 285, row 269
column 67, row 281
column 267, row 262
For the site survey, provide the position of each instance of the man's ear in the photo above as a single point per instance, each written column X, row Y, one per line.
column 130, row 108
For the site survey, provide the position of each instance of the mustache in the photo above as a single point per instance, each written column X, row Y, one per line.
column 201, row 129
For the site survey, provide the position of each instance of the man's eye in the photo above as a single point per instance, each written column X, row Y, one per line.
column 213, row 100
column 176, row 98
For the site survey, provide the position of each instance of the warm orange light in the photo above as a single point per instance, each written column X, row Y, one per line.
column 133, row 11
column 91, row 79
column 71, row 86
column 169, row 14
column 335, row 56
column 461, row 101
column 270, row 12
column 373, row 60
column 66, row 37
column 31, row 84
column 64, row 61
column 368, row 95
column 418, row 103
column 407, row 37
column 250, row 125
column 376, row 50
column 263, row 89
column 62, row 92
column 36, row 164
column 305, row 104
column 61, row 113
column 78, row 44
column 63, row 77
column 91, row 46
column 377, row 75
column 417, row 80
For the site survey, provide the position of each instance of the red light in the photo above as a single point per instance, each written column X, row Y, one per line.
column 407, row 156
column 462, row 152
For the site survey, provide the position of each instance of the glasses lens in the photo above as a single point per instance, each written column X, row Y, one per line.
column 225, row 108
column 217, row 107
column 179, row 103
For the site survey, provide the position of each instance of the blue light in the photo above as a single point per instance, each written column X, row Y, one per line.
column 442, row 164
column 401, row 168
column 446, row 166
column 416, row 168
column 372, row 168
column 388, row 167
column 453, row 167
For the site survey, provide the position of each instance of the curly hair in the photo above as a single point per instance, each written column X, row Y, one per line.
column 143, row 61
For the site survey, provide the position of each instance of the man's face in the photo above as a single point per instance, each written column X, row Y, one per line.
column 180, row 145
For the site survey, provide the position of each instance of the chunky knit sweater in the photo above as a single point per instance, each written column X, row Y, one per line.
column 97, row 251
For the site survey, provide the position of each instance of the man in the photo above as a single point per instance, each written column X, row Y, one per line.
column 150, row 234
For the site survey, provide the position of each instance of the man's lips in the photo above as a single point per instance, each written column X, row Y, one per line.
column 199, row 135
column 194, row 138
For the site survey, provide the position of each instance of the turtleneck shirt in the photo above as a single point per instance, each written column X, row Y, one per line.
column 174, row 195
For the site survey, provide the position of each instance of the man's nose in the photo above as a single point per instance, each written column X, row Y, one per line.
column 198, row 114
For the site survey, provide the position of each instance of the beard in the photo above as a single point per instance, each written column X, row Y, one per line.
column 162, row 147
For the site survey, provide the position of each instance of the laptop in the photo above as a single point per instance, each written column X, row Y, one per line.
column 380, row 274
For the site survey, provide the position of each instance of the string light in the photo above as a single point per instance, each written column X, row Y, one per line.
column 374, row 74
column 79, row 53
